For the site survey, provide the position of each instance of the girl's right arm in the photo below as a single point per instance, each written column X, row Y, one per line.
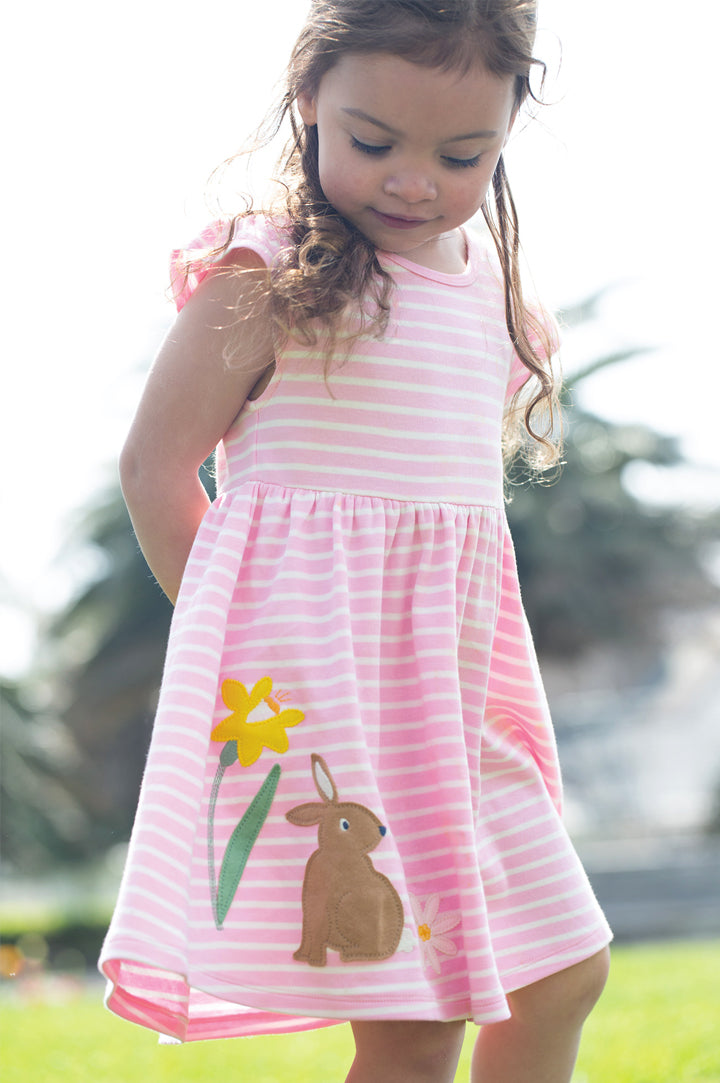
column 191, row 398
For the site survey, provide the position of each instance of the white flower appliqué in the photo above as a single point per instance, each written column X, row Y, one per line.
column 431, row 929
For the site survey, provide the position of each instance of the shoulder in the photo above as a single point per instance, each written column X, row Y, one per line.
column 250, row 240
column 263, row 234
column 541, row 326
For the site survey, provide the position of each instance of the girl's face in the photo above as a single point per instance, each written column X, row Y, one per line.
column 407, row 153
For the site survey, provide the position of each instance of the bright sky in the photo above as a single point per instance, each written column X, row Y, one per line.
column 120, row 112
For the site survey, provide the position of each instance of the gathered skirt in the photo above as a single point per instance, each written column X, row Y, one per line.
column 351, row 807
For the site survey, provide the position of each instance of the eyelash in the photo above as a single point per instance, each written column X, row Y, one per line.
column 463, row 163
column 453, row 163
column 367, row 148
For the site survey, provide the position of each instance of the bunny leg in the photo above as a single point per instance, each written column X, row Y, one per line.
column 316, row 920
column 314, row 955
column 313, row 946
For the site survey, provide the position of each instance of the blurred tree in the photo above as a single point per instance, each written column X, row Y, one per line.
column 41, row 817
column 117, row 630
column 596, row 564
column 111, row 642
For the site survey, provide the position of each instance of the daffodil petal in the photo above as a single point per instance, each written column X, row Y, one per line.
column 277, row 741
column 227, row 730
column 249, row 753
column 234, row 694
column 260, row 690
column 290, row 717
column 250, row 745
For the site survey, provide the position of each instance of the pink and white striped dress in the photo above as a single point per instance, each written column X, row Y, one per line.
column 351, row 808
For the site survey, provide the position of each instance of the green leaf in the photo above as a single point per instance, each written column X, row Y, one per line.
column 241, row 843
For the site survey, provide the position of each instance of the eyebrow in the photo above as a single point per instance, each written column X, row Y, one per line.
column 360, row 115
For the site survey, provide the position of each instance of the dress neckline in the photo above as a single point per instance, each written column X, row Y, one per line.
column 464, row 278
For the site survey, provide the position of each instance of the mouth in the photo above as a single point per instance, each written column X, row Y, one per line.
column 398, row 221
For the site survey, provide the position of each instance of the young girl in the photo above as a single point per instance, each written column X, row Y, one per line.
column 351, row 804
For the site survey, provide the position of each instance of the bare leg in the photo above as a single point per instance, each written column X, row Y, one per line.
column 539, row 1044
column 406, row 1052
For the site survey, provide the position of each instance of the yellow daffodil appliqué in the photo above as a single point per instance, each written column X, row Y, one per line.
column 244, row 740
column 253, row 735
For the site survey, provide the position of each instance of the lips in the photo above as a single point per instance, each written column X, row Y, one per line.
column 398, row 222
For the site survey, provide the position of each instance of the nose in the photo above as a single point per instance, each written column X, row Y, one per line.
column 382, row 829
column 411, row 185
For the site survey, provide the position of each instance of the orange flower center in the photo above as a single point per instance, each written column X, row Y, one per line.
column 424, row 932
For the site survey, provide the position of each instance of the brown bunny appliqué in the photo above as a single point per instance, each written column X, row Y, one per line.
column 347, row 904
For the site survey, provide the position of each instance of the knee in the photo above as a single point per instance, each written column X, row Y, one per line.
column 569, row 995
column 593, row 978
column 434, row 1051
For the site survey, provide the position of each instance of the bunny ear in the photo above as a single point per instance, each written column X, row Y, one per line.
column 323, row 779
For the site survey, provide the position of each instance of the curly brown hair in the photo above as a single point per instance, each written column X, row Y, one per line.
column 329, row 269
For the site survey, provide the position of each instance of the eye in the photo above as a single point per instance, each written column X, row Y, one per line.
column 344, row 825
column 367, row 148
column 462, row 163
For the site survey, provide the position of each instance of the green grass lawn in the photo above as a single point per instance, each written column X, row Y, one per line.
column 658, row 1022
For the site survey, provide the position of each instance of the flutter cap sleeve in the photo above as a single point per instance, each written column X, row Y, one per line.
column 192, row 263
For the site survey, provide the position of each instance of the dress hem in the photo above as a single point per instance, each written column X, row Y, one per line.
column 289, row 1012
column 283, row 1017
column 577, row 952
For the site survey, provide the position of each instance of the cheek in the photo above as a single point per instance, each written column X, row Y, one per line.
column 341, row 183
column 473, row 189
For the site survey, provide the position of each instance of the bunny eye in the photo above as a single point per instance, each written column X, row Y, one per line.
column 344, row 825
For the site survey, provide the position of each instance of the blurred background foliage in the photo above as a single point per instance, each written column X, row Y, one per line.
column 599, row 567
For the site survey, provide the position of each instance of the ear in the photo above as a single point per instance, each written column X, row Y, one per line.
column 307, row 108
column 323, row 779
column 306, row 815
